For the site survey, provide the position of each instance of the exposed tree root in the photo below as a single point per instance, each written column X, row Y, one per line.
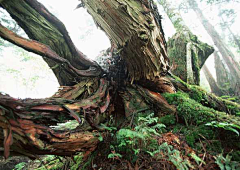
column 26, row 123
column 206, row 99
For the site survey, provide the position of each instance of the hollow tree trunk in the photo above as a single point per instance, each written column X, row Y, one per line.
column 186, row 53
column 226, row 54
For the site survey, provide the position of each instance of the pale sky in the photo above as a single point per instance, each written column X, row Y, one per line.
column 29, row 79
column 79, row 25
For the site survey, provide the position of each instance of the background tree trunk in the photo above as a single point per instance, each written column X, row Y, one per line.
column 226, row 54
column 186, row 53
column 213, row 85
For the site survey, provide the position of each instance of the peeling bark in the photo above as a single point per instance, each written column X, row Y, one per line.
column 28, row 124
column 43, row 50
column 133, row 28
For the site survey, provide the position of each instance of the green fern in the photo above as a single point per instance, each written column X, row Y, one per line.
column 227, row 126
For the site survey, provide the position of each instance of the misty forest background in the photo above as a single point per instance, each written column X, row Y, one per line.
column 26, row 75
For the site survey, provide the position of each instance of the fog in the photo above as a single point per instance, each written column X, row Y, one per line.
column 31, row 77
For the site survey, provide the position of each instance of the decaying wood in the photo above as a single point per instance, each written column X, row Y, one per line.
column 187, row 54
column 225, row 52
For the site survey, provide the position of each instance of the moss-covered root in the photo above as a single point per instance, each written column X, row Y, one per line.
column 194, row 113
column 205, row 98
column 204, row 128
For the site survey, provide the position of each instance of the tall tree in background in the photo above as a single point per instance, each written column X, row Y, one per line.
column 186, row 53
column 90, row 95
column 193, row 48
column 225, row 52
column 227, row 17
column 212, row 83
column 222, row 75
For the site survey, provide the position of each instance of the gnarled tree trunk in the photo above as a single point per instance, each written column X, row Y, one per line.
column 134, row 28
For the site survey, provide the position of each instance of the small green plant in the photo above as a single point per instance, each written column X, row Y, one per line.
column 226, row 163
column 227, row 126
column 110, row 129
column 20, row 166
column 196, row 158
column 131, row 142
column 174, row 156
column 114, row 155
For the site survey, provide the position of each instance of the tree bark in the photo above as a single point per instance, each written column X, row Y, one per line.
column 134, row 27
column 28, row 124
column 29, row 120
column 223, row 77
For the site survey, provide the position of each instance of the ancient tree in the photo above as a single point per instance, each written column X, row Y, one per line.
column 133, row 84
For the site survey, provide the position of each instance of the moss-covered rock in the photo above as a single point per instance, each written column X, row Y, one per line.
column 168, row 120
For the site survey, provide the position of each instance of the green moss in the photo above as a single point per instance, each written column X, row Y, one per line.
column 177, row 55
column 192, row 119
column 51, row 162
column 190, row 111
column 235, row 155
column 78, row 160
column 178, row 50
column 196, row 68
column 168, row 120
column 193, row 135
column 210, row 100
column 194, row 113
column 197, row 93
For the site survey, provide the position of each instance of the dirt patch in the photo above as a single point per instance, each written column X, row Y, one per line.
column 11, row 162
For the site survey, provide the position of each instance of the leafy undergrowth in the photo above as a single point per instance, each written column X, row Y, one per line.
column 51, row 162
column 149, row 146
column 196, row 137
